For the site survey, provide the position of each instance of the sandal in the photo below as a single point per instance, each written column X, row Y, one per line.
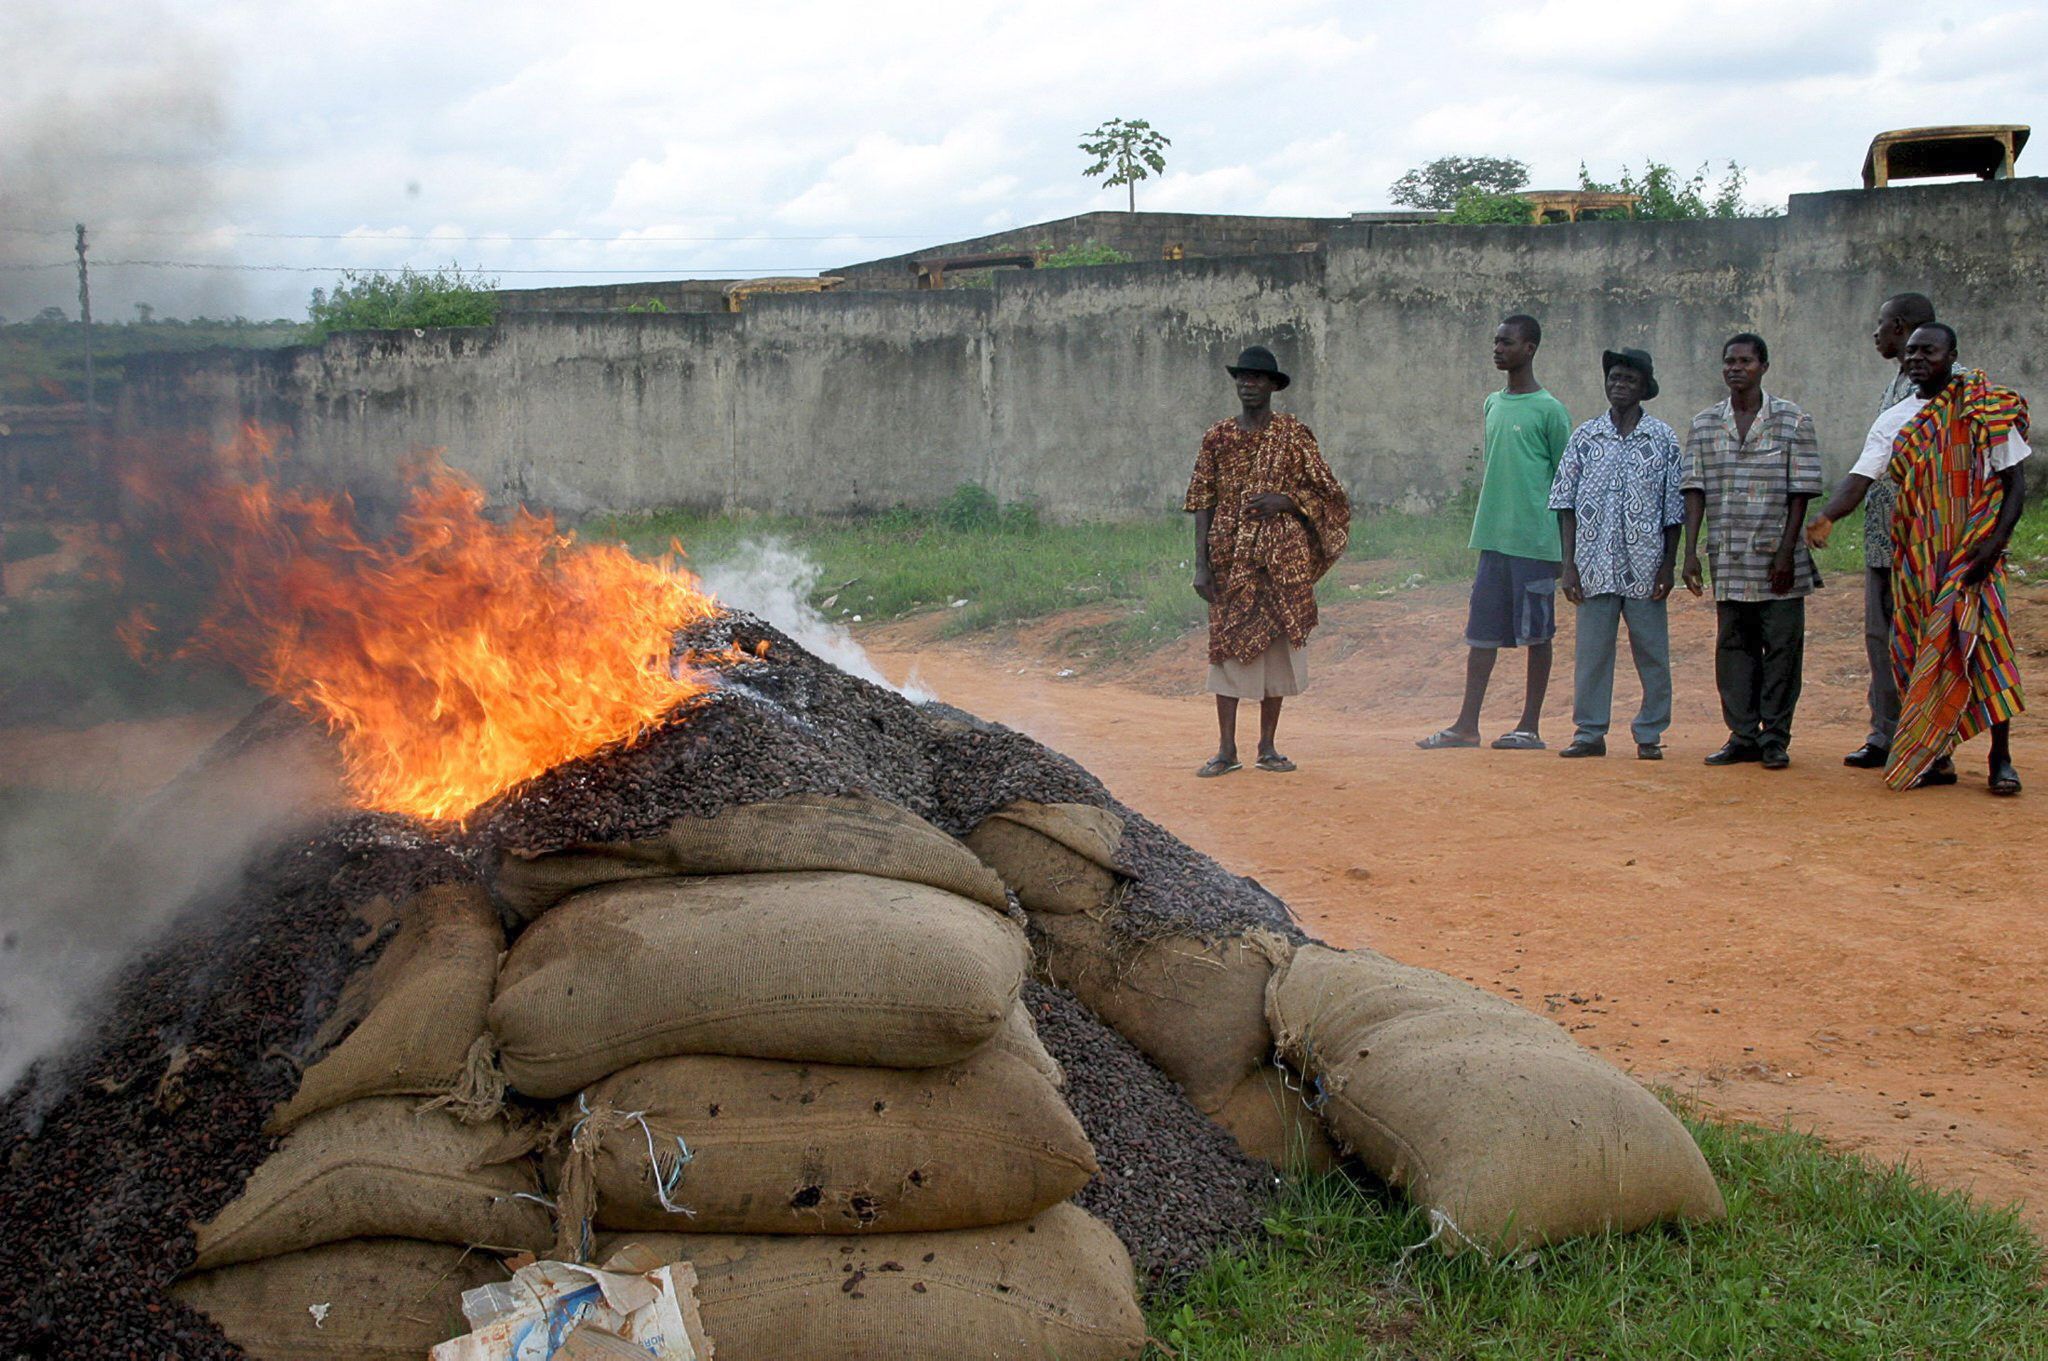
column 1215, row 766
column 1521, row 739
column 1276, row 763
column 2005, row 780
column 1449, row 737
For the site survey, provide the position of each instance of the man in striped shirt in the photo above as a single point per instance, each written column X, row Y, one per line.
column 1752, row 464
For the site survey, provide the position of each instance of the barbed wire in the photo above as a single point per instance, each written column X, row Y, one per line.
column 493, row 236
column 367, row 269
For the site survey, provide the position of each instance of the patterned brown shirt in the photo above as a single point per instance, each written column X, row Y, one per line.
column 1266, row 569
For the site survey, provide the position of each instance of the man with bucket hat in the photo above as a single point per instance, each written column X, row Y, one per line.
column 1619, row 509
column 1270, row 520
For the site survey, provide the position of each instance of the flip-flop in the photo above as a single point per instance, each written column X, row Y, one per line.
column 1276, row 763
column 1521, row 739
column 1449, row 737
column 1215, row 766
column 2005, row 781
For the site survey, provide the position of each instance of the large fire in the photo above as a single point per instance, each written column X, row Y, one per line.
column 453, row 658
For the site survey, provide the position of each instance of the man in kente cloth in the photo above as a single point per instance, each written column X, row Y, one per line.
column 1270, row 519
column 1954, row 451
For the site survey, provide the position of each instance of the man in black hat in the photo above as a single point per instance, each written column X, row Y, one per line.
column 1619, row 509
column 1270, row 519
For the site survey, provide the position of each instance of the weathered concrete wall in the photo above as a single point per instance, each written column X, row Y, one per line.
column 1142, row 236
column 1084, row 390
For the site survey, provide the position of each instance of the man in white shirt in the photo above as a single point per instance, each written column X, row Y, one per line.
column 1954, row 451
column 1900, row 316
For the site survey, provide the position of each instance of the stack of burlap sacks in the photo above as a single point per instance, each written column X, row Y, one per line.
column 1495, row 1120
column 784, row 1044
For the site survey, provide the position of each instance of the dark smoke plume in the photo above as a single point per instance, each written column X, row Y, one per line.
column 114, row 116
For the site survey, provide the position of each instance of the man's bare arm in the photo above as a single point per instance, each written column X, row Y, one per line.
column 1783, row 561
column 1568, row 535
column 1847, row 497
column 1695, row 511
column 1205, row 577
column 1985, row 560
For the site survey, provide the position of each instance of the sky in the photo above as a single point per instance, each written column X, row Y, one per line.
column 245, row 153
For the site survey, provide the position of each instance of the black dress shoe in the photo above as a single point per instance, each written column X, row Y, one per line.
column 1649, row 751
column 1776, row 758
column 1735, row 753
column 1869, row 756
column 1585, row 746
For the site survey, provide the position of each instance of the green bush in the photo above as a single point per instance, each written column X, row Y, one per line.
column 379, row 301
column 1075, row 257
column 1478, row 207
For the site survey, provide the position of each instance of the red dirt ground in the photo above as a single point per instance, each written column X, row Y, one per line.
column 1801, row 947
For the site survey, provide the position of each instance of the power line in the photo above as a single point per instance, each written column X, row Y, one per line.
column 364, row 269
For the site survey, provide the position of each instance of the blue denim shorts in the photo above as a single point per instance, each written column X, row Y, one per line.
column 1514, row 602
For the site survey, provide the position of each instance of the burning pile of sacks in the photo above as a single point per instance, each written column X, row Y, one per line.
column 784, row 1045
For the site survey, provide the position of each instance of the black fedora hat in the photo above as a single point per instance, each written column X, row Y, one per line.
column 1639, row 360
column 1258, row 359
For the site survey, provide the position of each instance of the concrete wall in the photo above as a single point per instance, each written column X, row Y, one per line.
column 1084, row 390
column 1142, row 236
column 677, row 295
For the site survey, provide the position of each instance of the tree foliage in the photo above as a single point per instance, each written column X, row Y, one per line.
column 1476, row 206
column 1666, row 197
column 379, row 300
column 1447, row 179
column 1075, row 257
column 1126, row 150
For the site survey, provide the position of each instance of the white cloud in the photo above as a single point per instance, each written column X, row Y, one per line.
column 808, row 135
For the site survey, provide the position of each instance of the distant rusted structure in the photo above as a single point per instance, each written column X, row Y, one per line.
column 1986, row 150
column 1570, row 204
column 736, row 294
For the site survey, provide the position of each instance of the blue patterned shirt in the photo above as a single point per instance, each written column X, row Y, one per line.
column 1624, row 489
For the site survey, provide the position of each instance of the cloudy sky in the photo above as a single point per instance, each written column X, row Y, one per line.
column 251, row 150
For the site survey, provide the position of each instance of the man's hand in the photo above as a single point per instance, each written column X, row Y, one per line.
column 1569, row 583
column 1272, row 503
column 1781, row 571
column 1661, row 587
column 1694, row 578
column 1205, row 584
column 1982, row 563
column 1818, row 532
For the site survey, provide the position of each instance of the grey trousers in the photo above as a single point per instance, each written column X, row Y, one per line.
column 1757, row 667
column 1649, row 642
column 1877, row 647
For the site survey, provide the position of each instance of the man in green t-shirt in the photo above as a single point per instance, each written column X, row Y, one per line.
column 1514, row 596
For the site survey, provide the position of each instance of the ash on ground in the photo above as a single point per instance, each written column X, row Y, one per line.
column 156, row 1120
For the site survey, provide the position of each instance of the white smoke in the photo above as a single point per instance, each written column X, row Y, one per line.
column 767, row 577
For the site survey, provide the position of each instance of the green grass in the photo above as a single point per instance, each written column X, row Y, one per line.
column 1822, row 1255
column 1010, row 567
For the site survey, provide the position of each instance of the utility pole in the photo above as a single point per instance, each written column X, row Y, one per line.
column 85, row 320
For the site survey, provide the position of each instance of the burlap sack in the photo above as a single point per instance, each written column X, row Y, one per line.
column 1056, row 857
column 418, row 1012
column 380, row 1168
column 1019, row 1039
column 814, row 1148
column 1272, row 1122
column 1196, row 1009
column 1058, row 1286
column 1493, row 1118
column 386, row 1299
column 822, row 968
column 853, row 833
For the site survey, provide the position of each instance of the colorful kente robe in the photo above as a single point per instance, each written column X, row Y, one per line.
column 1266, row 568
column 1952, row 648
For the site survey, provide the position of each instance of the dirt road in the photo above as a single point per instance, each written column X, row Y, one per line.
column 1800, row 947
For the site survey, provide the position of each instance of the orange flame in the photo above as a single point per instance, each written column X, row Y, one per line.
column 452, row 659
